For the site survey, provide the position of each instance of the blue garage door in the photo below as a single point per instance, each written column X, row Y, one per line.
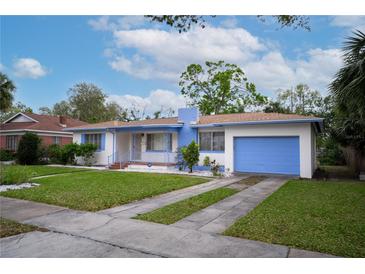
column 267, row 155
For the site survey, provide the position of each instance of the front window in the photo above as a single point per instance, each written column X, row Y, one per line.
column 211, row 141
column 12, row 142
column 57, row 140
column 159, row 142
column 93, row 139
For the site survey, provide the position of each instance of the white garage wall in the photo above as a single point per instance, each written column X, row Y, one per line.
column 314, row 149
column 303, row 130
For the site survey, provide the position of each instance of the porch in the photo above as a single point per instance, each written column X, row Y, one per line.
column 143, row 149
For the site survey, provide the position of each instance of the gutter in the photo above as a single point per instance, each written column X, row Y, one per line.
column 126, row 127
column 316, row 120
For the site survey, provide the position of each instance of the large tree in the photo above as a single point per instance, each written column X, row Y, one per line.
column 183, row 23
column 7, row 89
column 301, row 100
column 219, row 87
column 348, row 91
column 87, row 102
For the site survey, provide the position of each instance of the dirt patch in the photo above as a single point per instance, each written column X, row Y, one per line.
column 250, row 181
column 245, row 183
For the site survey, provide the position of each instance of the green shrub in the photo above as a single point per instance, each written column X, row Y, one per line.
column 330, row 153
column 28, row 149
column 206, row 161
column 86, row 151
column 190, row 154
column 69, row 153
column 54, row 153
column 214, row 168
column 14, row 175
column 6, row 155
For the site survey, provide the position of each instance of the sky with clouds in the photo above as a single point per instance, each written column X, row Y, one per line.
column 138, row 63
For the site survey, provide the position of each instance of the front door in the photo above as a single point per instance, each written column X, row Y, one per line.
column 137, row 147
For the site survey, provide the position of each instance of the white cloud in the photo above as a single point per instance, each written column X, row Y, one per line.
column 168, row 52
column 157, row 100
column 230, row 22
column 351, row 21
column 29, row 68
column 273, row 71
column 2, row 67
column 107, row 23
column 161, row 54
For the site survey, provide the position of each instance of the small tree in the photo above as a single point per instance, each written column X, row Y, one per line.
column 190, row 155
column 28, row 149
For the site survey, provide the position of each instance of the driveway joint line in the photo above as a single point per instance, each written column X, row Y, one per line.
column 107, row 243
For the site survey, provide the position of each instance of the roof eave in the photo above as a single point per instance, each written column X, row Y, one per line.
column 17, row 114
column 125, row 127
column 314, row 120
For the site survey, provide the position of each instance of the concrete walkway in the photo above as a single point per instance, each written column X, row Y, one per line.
column 219, row 216
column 132, row 209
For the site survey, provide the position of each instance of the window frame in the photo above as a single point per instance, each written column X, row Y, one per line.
column 13, row 140
column 149, row 142
column 94, row 138
column 57, row 140
column 211, row 141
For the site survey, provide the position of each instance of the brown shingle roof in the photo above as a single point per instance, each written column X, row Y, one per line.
column 45, row 122
column 248, row 117
column 203, row 120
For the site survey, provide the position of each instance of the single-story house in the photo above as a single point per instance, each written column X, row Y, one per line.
column 48, row 128
column 272, row 143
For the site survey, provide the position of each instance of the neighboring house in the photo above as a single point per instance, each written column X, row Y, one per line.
column 49, row 128
column 243, row 142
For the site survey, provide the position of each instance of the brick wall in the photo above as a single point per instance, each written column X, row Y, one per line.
column 2, row 142
column 46, row 141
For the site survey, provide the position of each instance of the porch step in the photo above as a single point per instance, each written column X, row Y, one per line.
column 119, row 165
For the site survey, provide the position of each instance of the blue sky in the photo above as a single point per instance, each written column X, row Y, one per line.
column 138, row 63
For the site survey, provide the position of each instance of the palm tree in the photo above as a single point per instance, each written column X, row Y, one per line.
column 348, row 90
column 348, row 86
column 7, row 88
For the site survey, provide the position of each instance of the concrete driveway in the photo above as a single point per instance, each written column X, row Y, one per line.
column 111, row 233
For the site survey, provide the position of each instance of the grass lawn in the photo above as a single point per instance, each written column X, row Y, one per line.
column 97, row 190
column 40, row 170
column 321, row 216
column 10, row 228
column 172, row 213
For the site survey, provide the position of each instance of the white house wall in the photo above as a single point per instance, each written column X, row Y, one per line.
column 304, row 131
column 101, row 157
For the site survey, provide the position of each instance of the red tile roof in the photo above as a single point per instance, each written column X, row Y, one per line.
column 206, row 119
column 45, row 122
